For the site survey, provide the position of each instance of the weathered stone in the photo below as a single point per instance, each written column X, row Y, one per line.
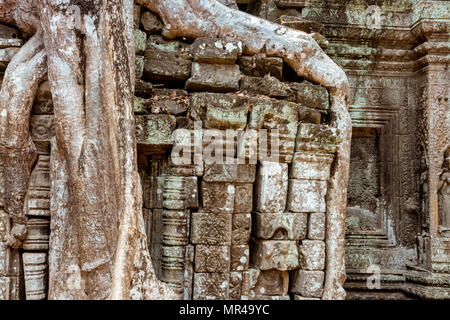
column 311, row 166
column 298, row 297
column 189, row 272
column 166, row 60
column 259, row 66
column 280, row 226
column 214, row 77
column 241, row 228
column 312, row 255
column 175, row 105
column 139, row 66
column 218, row 197
column 38, row 197
column 240, row 257
column 43, row 103
column 316, row 226
column 267, row 86
column 186, row 157
column 212, row 258
column 140, row 41
column 271, row 283
column 211, row 286
column 140, row 105
column 173, row 267
column 191, row 189
column 318, row 138
column 292, row 3
column 154, row 132
column 175, row 227
column 271, row 187
column 309, row 115
column 143, row 89
column 10, row 288
column 237, row 173
column 35, row 274
column 308, row 283
column 151, row 23
column 306, row 195
column 137, row 9
column 220, row 111
column 275, row 254
column 236, row 279
column 216, row 51
column 304, row 25
column 243, row 199
column 42, row 128
column 6, row 56
column 312, row 96
column 218, row 226
column 174, row 193
column 38, row 235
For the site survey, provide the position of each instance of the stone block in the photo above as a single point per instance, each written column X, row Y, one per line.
column 236, row 279
column 241, row 228
column 211, row 286
column 316, row 226
column 216, row 51
column 311, row 166
column 137, row 9
column 317, row 138
column 139, row 66
column 236, row 173
column 214, row 77
column 166, row 60
column 140, row 105
column 292, row 3
column 174, row 193
column 174, row 105
column 143, row 89
column 38, row 235
column 191, row 189
column 259, row 66
column 10, row 288
column 243, row 199
column 280, row 226
column 271, row 187
column 304, row 25
column 312, row 96
column 275, row 254
column 312, row 255
column 218, row 197
column 212, row 259
column 306, row 196
column 173, row 266
column 240, row 257
column 38, row 197
column 151, row 23
column 308, row 284
column 267, row 86
column 210, row 228
column 175, row 227
column 140, row 41
column 271, row 283
column 154, row 132
column 42, row 128
column 309, row 115
column 35, row 274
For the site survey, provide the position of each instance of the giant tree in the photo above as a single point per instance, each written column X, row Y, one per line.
column 98, row 243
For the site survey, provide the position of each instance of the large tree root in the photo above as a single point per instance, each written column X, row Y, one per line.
column 17, row 151
column 210, row 18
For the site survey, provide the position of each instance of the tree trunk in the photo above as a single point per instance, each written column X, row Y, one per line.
column 98, row 240
column 210, row 18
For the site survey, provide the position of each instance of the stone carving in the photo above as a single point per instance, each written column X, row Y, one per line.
column 444, row 193
column 35, row 265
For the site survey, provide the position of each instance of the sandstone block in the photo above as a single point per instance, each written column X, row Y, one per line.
column 212, row 258
column 216, row 51
column 154, row 132
column 311, row 166
column 35, row 274
column 140, row 41
column 317, row 138
column 236, row 279
column 43, row 103
column 236, row 173
column 191, row 187
column 166, row 60
column 211, row 286
column 240, row 257
column 173, row 266
column 175, row 227
column 218, row 197
column 214, row 77
column 308, row 284
column 243, row 199
column 280, row 226
column 316, row 226
column 258, row 66
column 151, row 22
column 312, row 255
column 292, row 3
column 174, row 193
column 38, row 235
column 271, row 283
column 275, row 254
column 304, row 25
column 312, row 96
column 271, row 187
column 143, row 89
column 306, row 196
column 241, row 228
column 211, row 228
column 268, row 86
